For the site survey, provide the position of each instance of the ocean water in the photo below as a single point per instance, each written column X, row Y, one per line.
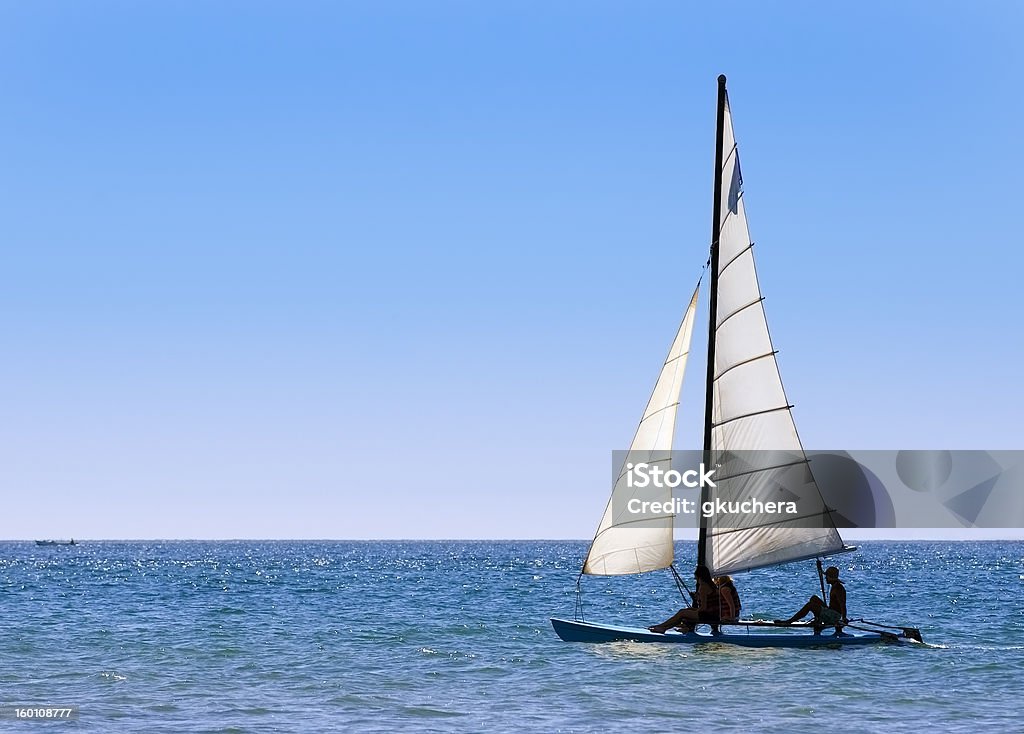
column 298, row 636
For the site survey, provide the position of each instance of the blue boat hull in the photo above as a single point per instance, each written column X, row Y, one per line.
column 572, row 631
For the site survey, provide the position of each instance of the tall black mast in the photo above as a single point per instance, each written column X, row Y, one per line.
column 716, row 229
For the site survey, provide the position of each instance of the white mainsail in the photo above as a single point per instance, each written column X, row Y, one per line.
column 623, row 544
column 750, row 412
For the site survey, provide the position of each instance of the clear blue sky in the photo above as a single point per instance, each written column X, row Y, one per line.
column 408, row 269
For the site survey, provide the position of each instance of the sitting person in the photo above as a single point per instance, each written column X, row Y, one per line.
column 704, row 609
column 832, row 614
column 728, row 599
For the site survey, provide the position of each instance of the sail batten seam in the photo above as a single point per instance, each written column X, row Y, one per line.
column 735, row 257
column 746, row 361
column 751, row 415
column 738, row 310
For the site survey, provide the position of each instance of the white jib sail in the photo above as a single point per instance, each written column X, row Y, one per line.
column 751, row 414
column 623, row 544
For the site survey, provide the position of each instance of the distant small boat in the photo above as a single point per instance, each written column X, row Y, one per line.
column 56, row 542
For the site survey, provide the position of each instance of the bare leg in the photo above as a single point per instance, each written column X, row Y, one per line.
column 814, row 604
column 677, row 618
column 689, row 620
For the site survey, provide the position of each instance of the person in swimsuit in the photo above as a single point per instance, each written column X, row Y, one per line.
column 728, row 599
column 834, row 613
column 705, row 606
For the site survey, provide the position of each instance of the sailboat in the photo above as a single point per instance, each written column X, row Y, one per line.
column 750, row 438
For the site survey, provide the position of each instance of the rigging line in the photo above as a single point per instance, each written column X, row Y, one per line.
column 680, row 583
column 738, row 310
column 746, row 361
column 726, row 477
column 751, row 415
column 912, row 633
column 735, row 257
column 577, row 614
column 877, row 624
column 821, row 580
column 880, row 633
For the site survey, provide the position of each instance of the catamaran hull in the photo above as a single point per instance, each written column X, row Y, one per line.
column 572, row 631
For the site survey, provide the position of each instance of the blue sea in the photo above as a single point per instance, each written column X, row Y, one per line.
column 300, row 636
